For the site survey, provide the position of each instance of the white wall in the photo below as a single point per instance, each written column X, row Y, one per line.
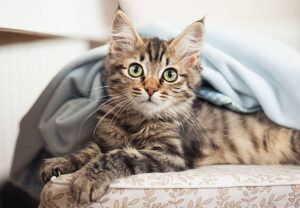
column 279, row 19
column 90, row 19
column 86, row 19
column 25, row 70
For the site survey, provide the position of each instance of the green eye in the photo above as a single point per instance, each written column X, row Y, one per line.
column 135, row 70
column 170, row 75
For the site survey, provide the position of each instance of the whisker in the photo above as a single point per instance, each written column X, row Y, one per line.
column 203, row 129
column 107, row 113
column 119, row 109
column 194, row 122
column 122, row 108
column 94, row 111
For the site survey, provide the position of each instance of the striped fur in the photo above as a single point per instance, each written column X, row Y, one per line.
column 170, row 130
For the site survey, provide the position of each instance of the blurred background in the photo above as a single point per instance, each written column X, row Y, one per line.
column 39, row 37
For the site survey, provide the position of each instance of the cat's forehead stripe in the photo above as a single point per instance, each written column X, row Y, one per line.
column 156, row 49
column 149, row 51
column 156, row 45
column 142, row 57
column 162, row 51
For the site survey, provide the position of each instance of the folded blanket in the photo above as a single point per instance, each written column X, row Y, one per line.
column 241, row 71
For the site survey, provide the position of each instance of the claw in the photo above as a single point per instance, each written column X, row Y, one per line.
column 106, row 188
column 91, row 195
column 44, row 177
column 56, row 172
column 79, row 195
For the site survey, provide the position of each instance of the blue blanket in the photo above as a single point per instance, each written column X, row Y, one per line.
column 241, row 71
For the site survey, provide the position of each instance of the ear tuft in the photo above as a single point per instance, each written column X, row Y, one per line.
column 202, row 20
column 119, row 7
column 124, row 37
column 187, row 45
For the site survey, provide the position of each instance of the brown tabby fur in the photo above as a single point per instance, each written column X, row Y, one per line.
column 137, row 137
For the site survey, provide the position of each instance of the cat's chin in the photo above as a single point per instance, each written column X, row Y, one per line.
column 149, row 108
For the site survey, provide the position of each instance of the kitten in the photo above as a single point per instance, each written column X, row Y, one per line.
column 154, row 122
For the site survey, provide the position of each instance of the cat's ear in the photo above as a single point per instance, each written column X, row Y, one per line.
column 124, row 37
column 187, row 46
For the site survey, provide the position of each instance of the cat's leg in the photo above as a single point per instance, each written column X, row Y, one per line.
column 68, row 164
column 92, row 181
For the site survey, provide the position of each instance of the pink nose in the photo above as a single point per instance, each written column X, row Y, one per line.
column 150, row 90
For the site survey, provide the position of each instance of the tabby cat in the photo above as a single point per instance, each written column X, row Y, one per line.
column 154, row 122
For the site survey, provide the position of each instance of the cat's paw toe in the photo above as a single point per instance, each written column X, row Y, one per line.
column 86, row 189
column 97, row 191
column 47, row 174
column 53, row 167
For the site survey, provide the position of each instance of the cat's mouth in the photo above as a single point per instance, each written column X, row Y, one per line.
column 150, row 107
column 149, row 101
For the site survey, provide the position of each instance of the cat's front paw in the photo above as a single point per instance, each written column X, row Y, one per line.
column 88, row 187
column 55, row 167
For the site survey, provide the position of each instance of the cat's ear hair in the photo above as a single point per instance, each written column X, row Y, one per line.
column 187, row 46
column 124, row 37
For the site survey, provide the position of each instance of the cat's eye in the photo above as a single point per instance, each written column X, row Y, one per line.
column 170, row 75
column 135, row 70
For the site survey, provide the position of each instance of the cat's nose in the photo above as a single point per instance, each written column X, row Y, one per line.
column 150, row 90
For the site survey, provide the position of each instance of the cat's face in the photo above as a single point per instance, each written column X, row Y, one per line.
column 151, row 75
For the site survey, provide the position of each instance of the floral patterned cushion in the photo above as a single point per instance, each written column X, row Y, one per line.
column 210, row 186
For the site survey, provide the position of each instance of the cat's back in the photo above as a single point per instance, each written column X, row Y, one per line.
column 247, row 138
column 215, row 117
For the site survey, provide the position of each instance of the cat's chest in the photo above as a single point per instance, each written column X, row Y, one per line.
column 148, row 133
column 134, row 133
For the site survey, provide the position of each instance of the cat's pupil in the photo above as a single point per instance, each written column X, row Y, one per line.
column 170, row 74
column 136, row 69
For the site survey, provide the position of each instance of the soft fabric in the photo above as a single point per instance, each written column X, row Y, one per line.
column 212, row 186
column 221, row 99
column 248, row 70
